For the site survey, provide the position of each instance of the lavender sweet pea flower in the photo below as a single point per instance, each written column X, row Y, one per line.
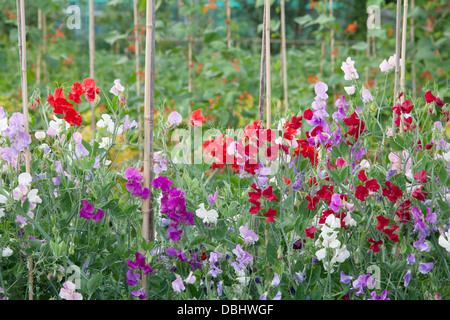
column 367, row 97
column 411, row 259
column 275, row 280
column 264, row 296
column 382, row 297
column 299, row 277
column 178, row 285
column 424, row 268
column 175, row 118
column 345, row 278
column 277, row 296
column 407, row 278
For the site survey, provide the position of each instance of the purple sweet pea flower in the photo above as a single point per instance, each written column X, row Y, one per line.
column 424, row 268
column 139, row 294
column 132, row 278
column 345, row 278
column 411, row 259
column 212, row 198
column 87, row 212
column 382, row 297
column 407, row 278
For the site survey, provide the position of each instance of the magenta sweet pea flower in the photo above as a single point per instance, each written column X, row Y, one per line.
column 87, row 212
column 132, row 278
column 140, row 263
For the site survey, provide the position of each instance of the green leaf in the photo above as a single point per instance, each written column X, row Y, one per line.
column 212, row 36
column 360, row 46
column 94, row 282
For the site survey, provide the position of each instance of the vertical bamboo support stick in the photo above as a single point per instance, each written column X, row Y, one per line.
column 190, row 70
column 262, row 72
column 322, row 48
column 367, row 55
column 283, row 56
column 332, row 48
column 397, row 60
column 403, row 59
column 138, row 78
column 23, row 72
column 44, row 46
column 413, row 63
column 228, row 22
column 268, row 85
column 147, row 206
column 374, row 55
column 91, row 56
column 39, row 51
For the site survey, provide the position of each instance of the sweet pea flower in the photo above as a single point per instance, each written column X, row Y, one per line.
column 208, row 216
column 117, row 88
column 424, row 268
column 276, row 280
column 350, row 90
column 348, row 66
column 367, row 96
column 174, row 118
column 178, row 285
column 385, row 66
column 68, row 292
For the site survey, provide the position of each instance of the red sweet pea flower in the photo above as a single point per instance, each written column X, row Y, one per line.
column 392, row 191
column 389, row 233
column 88, row 85
column 58, row 102
column 73, row 117
column 310, row 232
column 312, row 202
column 362, row 176
column 421, row 176
column 429, row 97
column 382, row 222
column 77, row 91
column 197, row 118
column 254, row 199
column 309, row 152
column 375, row 246
column 296, row 122
column 361, row 193
column 340, row 163
column 324, row 194
column 419, row 194
column 270, row 214
column 308, row 114
column 356, row 126
column 403, row 212
column 324, row 216
column 372, row 185
column 269, row 195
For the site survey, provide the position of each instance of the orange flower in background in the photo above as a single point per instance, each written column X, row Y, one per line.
column 429, row 24
column 426, row 74
column 312, row 78
column 335, row 51
column 370, row 83
column 132, row 48
column 10, row 14
column 351, row 27
column 390, row 32
column 313, row 4
column 199, row 67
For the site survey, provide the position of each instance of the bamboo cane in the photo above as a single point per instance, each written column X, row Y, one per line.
column 228, row 22
column 397, row 59
column 44, row 46
column 322, row 48
column 413, row 63
column 332, row 47
column 262, row 72
column 268, row 88
column 190, row 70
column 367, row 55
column 147, row 206
column 23, row 72
column 403, row 64
column 283, row 56
column 138, row 78
column 39, row 51
column 91, row 56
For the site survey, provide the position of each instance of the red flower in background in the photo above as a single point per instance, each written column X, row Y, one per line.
column 270, row 214
column 392, row 191
column 88, row 85
column 197, row 118
column 59, row 102
column 421, row 176
column 310, row 232
column 375, row 246
column 77, row 91
column 312, row 202
column 361, row 193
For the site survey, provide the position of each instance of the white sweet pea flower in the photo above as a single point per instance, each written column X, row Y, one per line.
column 106, row 142
column 33, row 197
column 350, row 90
column 3, row 199
column 25, row 179
column 7, row 252
column 2, row 213
column 207, row 216
column 444, row 240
